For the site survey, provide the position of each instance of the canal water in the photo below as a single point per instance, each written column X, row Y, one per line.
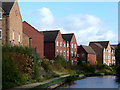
column 94, row 82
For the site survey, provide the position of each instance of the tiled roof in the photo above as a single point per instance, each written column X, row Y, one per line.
column 67, row 37
column 50, row 36
column 101, row 44
column 7, row 6
column 88, row 49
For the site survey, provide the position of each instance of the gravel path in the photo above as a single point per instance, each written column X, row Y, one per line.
column 24, row 87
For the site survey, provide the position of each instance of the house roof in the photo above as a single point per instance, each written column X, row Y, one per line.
column 7, row 6
column 27, row 28
column 50, row 36
column 88, row 49
column 113, row 46
column 101, row 44
column 67, row 37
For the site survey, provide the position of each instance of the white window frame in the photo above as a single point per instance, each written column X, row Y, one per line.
column 19, row 37
column 75, row 46
column 60, row 52
column 1, row 33
column 67, row 45
column 64, row 45
column 57, row 43
column 67, row 53
column 75, row 54
column 72, row 45
column 64, row 52
column 13, row 35
column 1, row 15
column 60, row 44
column 72, row 53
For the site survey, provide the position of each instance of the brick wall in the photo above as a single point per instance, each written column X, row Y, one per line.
column 73, row 41
column 91, row 58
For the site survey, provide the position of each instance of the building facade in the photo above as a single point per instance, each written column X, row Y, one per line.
column 11, row 23
column 113, row 60
column 33, row 38
column 86, row 54
column 53, row 44
column 103, row 51
column 72, row 44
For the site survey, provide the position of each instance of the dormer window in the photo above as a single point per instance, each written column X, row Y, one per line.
column 0, row 15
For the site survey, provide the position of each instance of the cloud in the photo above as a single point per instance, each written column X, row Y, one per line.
column 86, row 27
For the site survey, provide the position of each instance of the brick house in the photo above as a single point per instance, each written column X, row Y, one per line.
column 72, row 45
column 113, row 47
column 33, row 38
column 103, row 51
column 86, row 54
column 11, row 23
column 53, row 44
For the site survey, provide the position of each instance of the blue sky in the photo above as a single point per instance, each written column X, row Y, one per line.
column 90, row 21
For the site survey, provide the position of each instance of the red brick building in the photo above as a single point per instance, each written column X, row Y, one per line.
column 86, row 54
column 36, row 38
column 71, row 47
column 53, row 44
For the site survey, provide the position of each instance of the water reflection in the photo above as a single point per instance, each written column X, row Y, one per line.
column 94, row 82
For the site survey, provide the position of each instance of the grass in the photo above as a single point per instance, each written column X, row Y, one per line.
column 49, row 83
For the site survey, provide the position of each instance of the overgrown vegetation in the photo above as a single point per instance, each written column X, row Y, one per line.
column 117, row 56
column 22, row 65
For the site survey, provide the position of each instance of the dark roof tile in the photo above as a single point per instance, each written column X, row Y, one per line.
column 67, row 37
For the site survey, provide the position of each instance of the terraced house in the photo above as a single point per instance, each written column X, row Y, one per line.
column 103, row 52
column 72, row 45
column 53, row 44
column 86, row 54
column 11, row 23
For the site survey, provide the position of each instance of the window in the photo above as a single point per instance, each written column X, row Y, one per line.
column 83, row 55
column 19, row 37
column 64, row 53
column 75, row 46
column 0, row 15
column 57, row 43
column 104, row 50
column 67, row 45
column 104, row 56
column 72, row 61
column 0, row 34
column 60, row 44
column 75, row 61
column 108, row 57
column 13, row 34
column 72, row 45
column 57, row 52
column 67, row 53
column 60, row 52
column 64, row 45
column 75, row 54
column 72, row 53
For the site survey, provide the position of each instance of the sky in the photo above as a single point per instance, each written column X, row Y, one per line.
column 89, row 21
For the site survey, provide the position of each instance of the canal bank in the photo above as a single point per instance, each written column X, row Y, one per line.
column 60, row 82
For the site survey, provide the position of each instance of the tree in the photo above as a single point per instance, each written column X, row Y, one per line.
column 117, row 54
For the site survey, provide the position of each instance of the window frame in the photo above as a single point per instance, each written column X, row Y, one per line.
column 19, row 37
column 57, row 43
column 13, row 33
column 1, row 15
column 1, row 33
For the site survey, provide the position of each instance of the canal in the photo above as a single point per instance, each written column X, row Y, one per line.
column 94, row 82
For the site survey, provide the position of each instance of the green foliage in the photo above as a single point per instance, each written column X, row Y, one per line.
column 117, row 54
